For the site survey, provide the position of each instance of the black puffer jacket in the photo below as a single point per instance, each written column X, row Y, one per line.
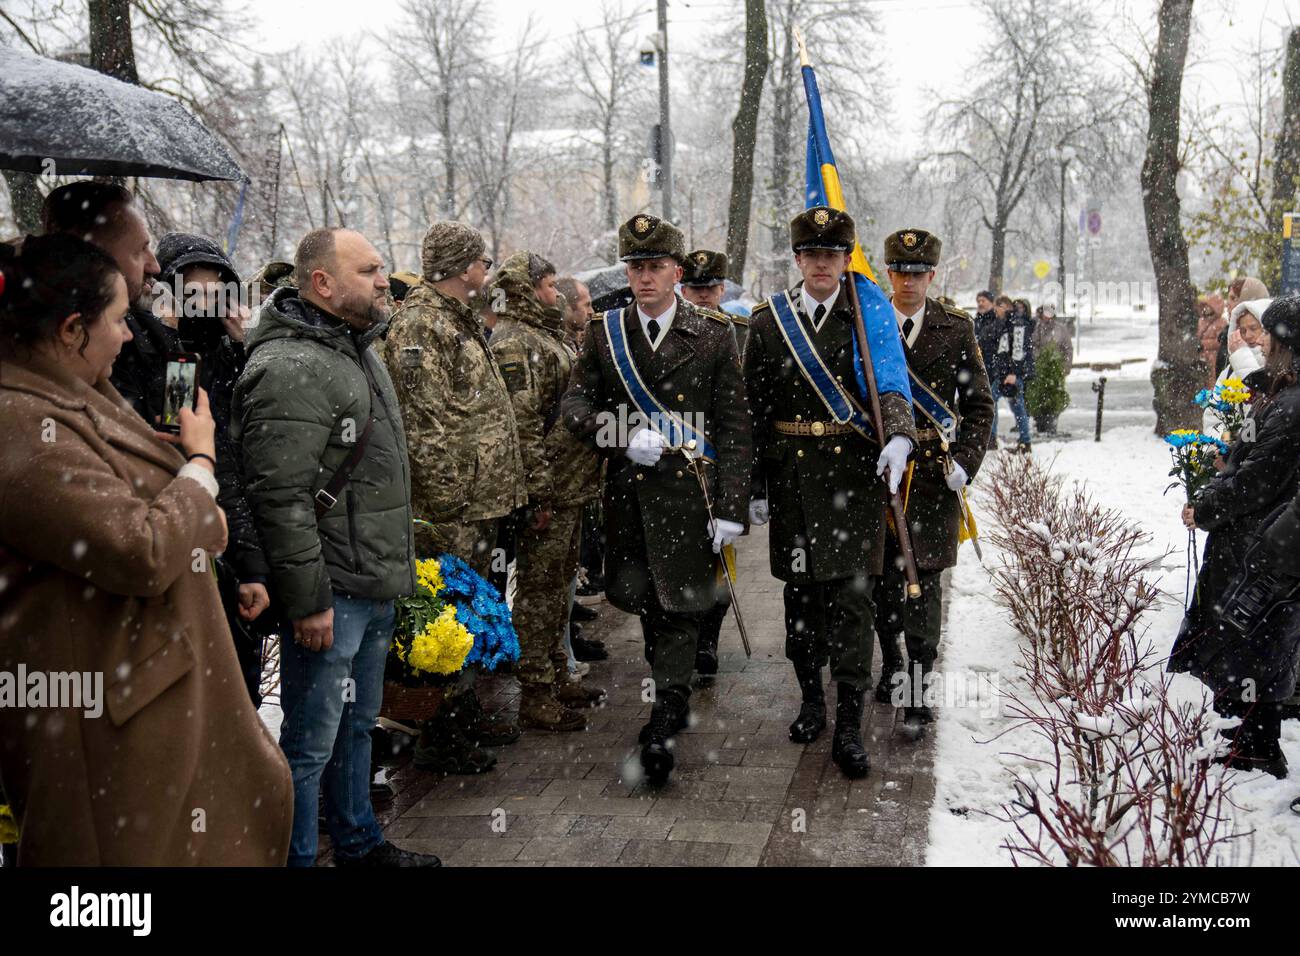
column 1260, row 477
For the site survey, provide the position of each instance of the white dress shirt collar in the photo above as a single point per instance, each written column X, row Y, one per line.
column 917, row 317
column 664, row 321
column 810, row 306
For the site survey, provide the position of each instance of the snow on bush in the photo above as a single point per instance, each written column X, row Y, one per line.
column 1126, row 777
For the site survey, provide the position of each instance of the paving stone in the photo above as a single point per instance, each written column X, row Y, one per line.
column 668, row 853
column 476, row 850
column 585, row 849
column 721, row 831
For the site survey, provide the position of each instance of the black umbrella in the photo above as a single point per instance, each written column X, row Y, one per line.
column 90, row 124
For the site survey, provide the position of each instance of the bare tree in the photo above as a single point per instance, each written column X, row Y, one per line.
column 1177, row 374
column 1039, row 90
column 606, row 59
column 744, row 132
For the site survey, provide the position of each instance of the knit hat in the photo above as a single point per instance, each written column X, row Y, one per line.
column 449, row 248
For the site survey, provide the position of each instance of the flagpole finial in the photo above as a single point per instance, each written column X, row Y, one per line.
column 803, row 50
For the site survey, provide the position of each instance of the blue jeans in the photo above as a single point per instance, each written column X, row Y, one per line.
column 326, row 730
column 1017, row 408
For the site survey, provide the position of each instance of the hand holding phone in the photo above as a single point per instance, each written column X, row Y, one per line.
column 196, row 430
column 180, row 389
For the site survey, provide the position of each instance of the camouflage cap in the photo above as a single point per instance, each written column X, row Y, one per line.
column 449, row 248
column 649, row 237
column 276, row 274
column 704, row 267
column 822, row 227
column 400, row 283
column 912, row 250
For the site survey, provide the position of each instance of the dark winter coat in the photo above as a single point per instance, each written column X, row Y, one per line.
column 1259, row 477
column 827, row 506
column 299, row 408
column 986, row 334
column 947, row 359
column 140, row 369
column 1014, row 349
column 655, row 518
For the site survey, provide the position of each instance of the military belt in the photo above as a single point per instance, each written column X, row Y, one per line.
column 929, row 434
column 816, row 429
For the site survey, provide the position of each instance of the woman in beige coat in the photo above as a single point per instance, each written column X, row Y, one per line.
column 150, row 753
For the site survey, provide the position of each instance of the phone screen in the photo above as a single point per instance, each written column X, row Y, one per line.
column 180, row 389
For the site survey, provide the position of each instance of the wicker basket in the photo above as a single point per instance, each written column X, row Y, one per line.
column 410, row 704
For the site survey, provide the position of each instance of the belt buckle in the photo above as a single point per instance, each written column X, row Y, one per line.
column 325, row 499
column 818, row 429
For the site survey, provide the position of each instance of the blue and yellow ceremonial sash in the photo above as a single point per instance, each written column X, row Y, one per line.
column 836, row 399
column 671, row 426
column 930, row 406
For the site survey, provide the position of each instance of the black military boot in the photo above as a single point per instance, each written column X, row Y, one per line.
column 846, row 747
column 811, row 721
column 889, row 666
column 706, row 651
column 666, row 718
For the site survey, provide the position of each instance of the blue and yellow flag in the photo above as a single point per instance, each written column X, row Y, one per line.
column 823, row 189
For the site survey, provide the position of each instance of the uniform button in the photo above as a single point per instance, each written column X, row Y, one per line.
column 929, row 453
column 838, row 449
column 934, row 384
column 681, row 398
column 839, row 378
column 640, row 477
column 799, row 453
column 798, row 418
column 681, row 474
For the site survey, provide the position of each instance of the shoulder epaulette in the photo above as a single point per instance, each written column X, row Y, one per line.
column 957, row 313
column 715, row 316
column 598, row 317
column 741, row 320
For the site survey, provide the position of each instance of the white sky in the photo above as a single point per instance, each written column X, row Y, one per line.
column 937, row 37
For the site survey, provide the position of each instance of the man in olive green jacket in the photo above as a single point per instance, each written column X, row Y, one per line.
column 561, row 474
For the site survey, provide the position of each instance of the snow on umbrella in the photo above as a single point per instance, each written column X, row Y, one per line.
column 90, row 124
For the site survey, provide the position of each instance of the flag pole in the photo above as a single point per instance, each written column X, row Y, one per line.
column 877, row 416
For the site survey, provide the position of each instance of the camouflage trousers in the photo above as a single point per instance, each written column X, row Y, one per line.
column 545, row 564
column 471, row 541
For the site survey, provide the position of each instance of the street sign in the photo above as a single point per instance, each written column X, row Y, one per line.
column 1094, row 222
column 1042, row 268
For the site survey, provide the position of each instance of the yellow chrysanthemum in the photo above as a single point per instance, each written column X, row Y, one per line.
column 1184, row 431
column 1234, row 391
column 429, row 574
column 443, row 645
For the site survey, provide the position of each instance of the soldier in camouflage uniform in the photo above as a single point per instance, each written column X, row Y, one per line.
column 561, row 475
column 815, row 478
column 944, row 355
column 466, row 469
column 663, row 548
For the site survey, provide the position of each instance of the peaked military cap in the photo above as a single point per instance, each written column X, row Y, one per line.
column 912, row 250
column 822, row 227
column 704, row 267
column 648, row 237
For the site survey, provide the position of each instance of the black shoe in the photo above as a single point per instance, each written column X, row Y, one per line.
column 444, row 748
column 381, row 796
column 475, row 723
column 588, row 650
column 581, row 613
column 388, row 855
column 846, row 748
column 666, row 718
column 913, row 722
column 595, row 585
column 811, row 721
column 706, row 661
column 1275, row 765
column 682, row 722
column 885, row 687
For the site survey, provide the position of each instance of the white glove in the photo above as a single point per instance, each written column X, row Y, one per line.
column 758, row 513
column 725, row 533
column 894, row 457
column 646, row 447
column 957, row 477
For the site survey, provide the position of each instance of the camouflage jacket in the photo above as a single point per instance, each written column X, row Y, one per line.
column 536, row 362
column 460, row 425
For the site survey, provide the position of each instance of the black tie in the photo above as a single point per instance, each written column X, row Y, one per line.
column 908, row 325
column 818, row 314
column 652, row 329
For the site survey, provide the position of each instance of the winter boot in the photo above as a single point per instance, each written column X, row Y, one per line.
column 706, row 652
column 682, row 721
column 846, row 747
column 444, row 748
column 667, row 715
column 577, row 693
column 811, row 721
column 474, row 722
column 539, row 710
column 890, row 664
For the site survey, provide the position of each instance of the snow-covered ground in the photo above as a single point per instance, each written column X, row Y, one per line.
column 1126, row 471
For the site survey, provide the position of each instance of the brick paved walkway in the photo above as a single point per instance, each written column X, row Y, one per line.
column 741, row 794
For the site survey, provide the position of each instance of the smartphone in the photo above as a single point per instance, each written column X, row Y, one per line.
column 180, row 389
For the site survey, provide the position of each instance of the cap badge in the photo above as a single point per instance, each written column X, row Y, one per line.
column 641, row 225
column 909, row 239
column 821, row 217
column 701, row 258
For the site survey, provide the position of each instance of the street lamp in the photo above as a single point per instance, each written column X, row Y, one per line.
column 1063, row 155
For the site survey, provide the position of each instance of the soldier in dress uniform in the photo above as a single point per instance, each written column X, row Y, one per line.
column 657, row 387
column 704, row 278
column 814, row 478
column 954, row 413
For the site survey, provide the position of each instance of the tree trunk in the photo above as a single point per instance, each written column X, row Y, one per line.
column 1286, row 161
column 1178, row 373
column 448, row 159
column 25, row 200
column 111, row 48
column 744, row 132
column 998, row 255
column 782, row 116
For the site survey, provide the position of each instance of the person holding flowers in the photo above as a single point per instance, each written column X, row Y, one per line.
column 1258, row 476
column 1225, row 401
